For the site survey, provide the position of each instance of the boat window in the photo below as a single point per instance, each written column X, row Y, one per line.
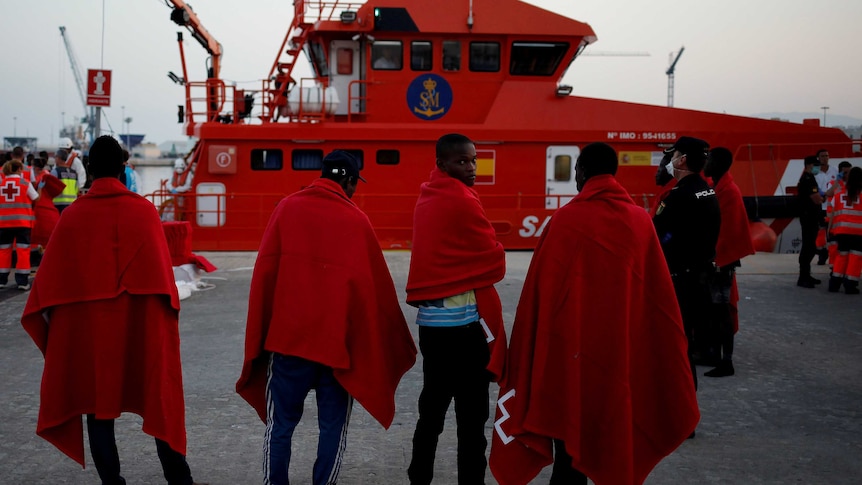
column 307, row 159
column 536, row 58
column 420, row 55
column 318, row 59
column 344, row 61
column 387, row 55
column 267, row 159
column 563, row 168
column 451, row 55
column 485, row 56
column 388, row 157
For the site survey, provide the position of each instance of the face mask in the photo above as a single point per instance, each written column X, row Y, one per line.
column 815, row 170
column 840, row 175
column 669, row 167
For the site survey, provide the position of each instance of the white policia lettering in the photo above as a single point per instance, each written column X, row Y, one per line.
column 704, row 193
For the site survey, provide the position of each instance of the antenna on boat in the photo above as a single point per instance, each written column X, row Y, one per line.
column 670, row 72
column 470, row 16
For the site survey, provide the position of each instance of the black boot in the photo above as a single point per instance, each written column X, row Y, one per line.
column 724, row 369
column 851, row 287
column 835, row 284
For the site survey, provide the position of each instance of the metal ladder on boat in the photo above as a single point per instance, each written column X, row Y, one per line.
column 280, row 80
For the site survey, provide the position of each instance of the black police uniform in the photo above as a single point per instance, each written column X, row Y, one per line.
column 687, row 223
column 809, row 218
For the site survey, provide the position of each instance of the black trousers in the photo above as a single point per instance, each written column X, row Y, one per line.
column 563, row 473
column 810, row 226
column 695, row 302
column 103, row 446
column 454, row 367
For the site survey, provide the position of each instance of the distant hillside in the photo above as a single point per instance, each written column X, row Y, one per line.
column 796, row 117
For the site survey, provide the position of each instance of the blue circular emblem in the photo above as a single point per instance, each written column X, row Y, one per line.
column 429, row 97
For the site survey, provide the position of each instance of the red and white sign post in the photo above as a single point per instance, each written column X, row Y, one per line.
column 98, row 87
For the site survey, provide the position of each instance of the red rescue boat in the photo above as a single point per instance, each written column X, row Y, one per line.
column 392, row 76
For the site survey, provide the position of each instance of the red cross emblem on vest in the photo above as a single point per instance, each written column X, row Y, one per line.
column 10, row 191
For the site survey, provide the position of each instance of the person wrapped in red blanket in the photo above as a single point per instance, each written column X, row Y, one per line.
column 323, row 314
column 734, row 243
column 455, row 261
column 597, row 377
column 110, row 340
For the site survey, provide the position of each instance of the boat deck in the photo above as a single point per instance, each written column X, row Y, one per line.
column 790, row 414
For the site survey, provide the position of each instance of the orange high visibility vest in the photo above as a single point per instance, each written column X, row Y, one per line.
column 16, row 208
column 846, row 215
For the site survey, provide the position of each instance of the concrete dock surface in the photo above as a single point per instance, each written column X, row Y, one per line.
column 791, row 414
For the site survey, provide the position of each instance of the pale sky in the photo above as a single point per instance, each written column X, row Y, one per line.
column 741, row 56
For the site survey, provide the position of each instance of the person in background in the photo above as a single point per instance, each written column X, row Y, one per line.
column 734, row 243
column 74, row 160
column 111, row 341
column 846, row 227
column 810, row 202
column 67, row 173
column 838, row 186
column 688, row 222
column 597, row 378
column 455, row 262
column 323, row 314
column 825, row 177
column 17, row 196
column 129, row 178
column 46, row 213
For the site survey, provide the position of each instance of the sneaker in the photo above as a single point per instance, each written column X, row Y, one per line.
column 24, row 287
column 724, row 369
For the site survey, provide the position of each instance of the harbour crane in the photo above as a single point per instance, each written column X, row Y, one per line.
column 89, row 117
column 670, row 72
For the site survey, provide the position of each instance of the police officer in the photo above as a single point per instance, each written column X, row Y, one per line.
column 810, row 219
column 687, row 222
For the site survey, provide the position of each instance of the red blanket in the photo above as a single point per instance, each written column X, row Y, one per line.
column 321, row 290
column 47, row 214
column 455, row 249
column 112, row 344
column 598, row 352
column 734, row 238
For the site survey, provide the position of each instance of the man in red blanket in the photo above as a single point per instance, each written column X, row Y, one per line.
column 597, row 377
column 323, row 315
column 455, row 261
column 734, row 243
column 111, row 341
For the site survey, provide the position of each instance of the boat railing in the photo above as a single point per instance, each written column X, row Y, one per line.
column 215, row 101
column 313, row 11
column 361, row 98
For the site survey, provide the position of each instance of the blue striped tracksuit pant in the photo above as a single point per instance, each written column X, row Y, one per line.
column 289, row 379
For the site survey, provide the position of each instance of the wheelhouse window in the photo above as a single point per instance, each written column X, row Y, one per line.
column 318, row 59
column 563, row 168
column 451, row 55
column 485, row 56
column 307, row 159
column 420, row 55
column 536, row 58
column 267, row 159
column 387, row 55
column 388, row 157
